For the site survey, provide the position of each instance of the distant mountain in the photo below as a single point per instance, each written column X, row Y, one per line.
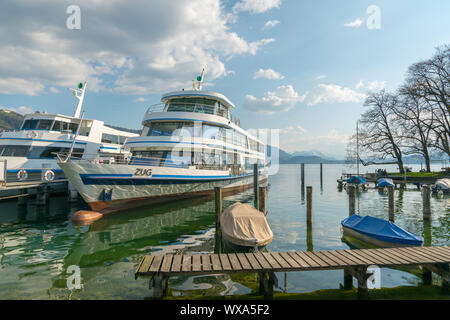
column 10, row 120
column 301, row 156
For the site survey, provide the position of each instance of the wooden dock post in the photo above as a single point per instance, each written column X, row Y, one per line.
column 348, row 280
column 218, row 209
column 391, row 203
column 40, row 196
column 321, row 175
column 309, row 205
column 262, row 199
column 302, row 175
column 351, row 199
column 426, row 202
column 22, row 200
column 255, row 183
column 160, row 286
column 72, row 192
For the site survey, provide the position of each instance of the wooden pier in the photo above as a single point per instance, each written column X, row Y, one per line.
column 353, row 262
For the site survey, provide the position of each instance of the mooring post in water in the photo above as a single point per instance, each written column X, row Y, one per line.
column 218, row 204
column 309, row 205
column 391, row 203
column 40, row 196
column 218, row 208
column 426, row 202
column 302, row 175
column 72, row 192
column 255, row 182
column 351, row 199
column 262, row 199
column 348, row 280
column 47, row 193
column 22, row 201
column 321, row 175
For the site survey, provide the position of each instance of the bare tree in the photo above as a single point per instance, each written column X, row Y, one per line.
column 379, row 135
column 430, row 80
column 415, row 121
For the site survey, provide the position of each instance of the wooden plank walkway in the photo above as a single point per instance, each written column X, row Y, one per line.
column 160, row 267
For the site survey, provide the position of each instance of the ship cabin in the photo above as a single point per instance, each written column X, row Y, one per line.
column 195, row 129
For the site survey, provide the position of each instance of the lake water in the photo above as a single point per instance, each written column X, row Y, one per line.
column 37, row 246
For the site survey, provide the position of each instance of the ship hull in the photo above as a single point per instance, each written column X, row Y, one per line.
column 115, row 187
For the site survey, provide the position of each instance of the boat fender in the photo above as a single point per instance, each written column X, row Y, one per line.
column 85, row 216
column 49, row 175
column 22, row 175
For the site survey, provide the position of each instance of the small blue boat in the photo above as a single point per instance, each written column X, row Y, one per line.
column 356, row 180
column 385, row 182
column 379, row 232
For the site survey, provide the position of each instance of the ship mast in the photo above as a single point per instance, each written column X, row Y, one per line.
column 79, row 94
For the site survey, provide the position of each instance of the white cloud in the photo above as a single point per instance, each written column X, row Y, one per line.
column 371, row 85
column 143, row 46
column 22, row 110
column 53, row 90
column 140, row 99
column 320, row 77
column 270, row 24
column 324, row 93
column 256, row 6
column 296, row 138
column 375, row 85
column 267, row 74
column 360, row 84
column 282, row 99
column 354, row 24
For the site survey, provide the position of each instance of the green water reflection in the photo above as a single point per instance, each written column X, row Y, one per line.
column 38, row 245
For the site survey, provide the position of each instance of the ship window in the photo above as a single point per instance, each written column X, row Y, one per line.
column 30, row 124
column 73, row 127
column 56, row 125
column 180, row 107
column 50, row 152
column 45, row 124
column 163, row 128
column 211, row 132
column 14, row 151
column 110, row 138
column 122, row 139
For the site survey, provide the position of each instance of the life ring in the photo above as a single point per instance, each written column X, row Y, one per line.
column 22, row 175
column 49, row 175
column 32, row 134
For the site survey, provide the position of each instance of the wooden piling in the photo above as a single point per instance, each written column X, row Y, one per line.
column 302, row 175
column 348, row 280
column 309, row 205
column 351, row 199
column 391, row 203
column 72, row 193
column 40, row 196
column 255, row 182
column 262, row 199
column 218, row 204
column 321, row 174
column 426, row 196
column 22, row 200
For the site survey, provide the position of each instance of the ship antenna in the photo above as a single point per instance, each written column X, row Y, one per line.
column 198, row 86
column 79, row 94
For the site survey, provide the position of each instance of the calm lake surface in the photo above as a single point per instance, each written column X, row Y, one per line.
column 37, row 246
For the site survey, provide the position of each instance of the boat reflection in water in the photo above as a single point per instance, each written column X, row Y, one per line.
column 117, row 242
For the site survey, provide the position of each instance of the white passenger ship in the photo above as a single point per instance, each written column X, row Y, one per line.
column 31, row 151
column 189, row 144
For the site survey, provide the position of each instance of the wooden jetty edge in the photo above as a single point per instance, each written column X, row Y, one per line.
column 353, row 262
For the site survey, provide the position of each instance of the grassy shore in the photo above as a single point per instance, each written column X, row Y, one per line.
column 420, row 292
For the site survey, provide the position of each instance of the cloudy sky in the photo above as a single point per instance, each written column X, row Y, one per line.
column 303, row 67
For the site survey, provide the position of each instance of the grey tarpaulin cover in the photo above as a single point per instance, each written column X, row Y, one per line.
column 245, row 226
column 443, row 184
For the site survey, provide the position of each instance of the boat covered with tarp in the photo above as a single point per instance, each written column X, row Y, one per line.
column 442, row 185
column 356, row 180
column 379, row 232
column 385, row 182
column 245, row 228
